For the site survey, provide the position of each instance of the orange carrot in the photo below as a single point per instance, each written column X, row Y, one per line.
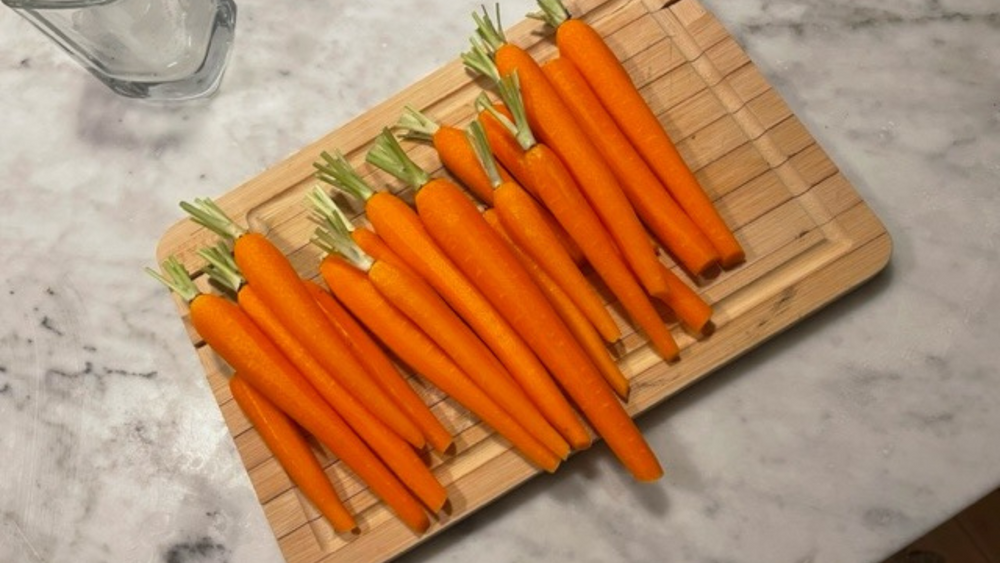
column 575, row 320
column 652, row 202
column 581, row 44
column 400, row 227
column 555, row 126
column 382, row 368
column 393, row 450
column 689, row 307
column 524, row 221
column 453, row 149
column 559, row 192
column 278, row 284
column 292, row 451
column 358, row 294
column 464, row 236
column 459, row 157
column 235, row 337
column 418, row 301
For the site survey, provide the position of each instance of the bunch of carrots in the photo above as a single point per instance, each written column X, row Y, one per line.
column 491, row 306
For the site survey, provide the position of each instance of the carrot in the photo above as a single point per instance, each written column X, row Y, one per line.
column 581, row 44
column 366, row 239
column 559, row 192
column 456, row 225
column 453, row 149
column 575, row 320
column 382, row 368
column 277, row 283
column 689, row 307
column 460, row 158
column 414, row 347
column 651, row 200
column 292, row 451
column 235, row 337
column 393, row 450
column 555, row 126
column 522, row 216
column 418, row 301
column 402, row 230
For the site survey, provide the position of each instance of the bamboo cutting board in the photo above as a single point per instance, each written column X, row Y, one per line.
column 809, row 239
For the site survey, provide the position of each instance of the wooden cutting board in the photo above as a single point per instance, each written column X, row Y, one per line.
column 809, row 239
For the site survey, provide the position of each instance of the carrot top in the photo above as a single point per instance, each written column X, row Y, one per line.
column 417, row 126
column 222, row 268
column 336, row 171
column 176, row 278
column 333, row 236
column 552, row 12
column 208, row 214
column 388, row 155
column 477, row 138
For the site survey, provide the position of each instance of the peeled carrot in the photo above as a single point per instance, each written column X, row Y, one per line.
column 460, row 159
column 652, row 202
column 464, row 235
column 235, row 337
column 556, row 188
column 418, row 301
column 279, row 285
column 555, row 126
column 454, row 150
column 381, row 367
column 292, row 451
column 400, row 227
column 581, row 44
column 393, row 450
column 575, row 320
column 425, row 307
column 358, row 294
column 689, row 307
column 523, row 218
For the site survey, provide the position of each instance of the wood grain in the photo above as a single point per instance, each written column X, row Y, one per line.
column 809, row 239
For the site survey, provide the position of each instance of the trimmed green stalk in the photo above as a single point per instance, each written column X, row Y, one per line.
column 208, row 214
column 176, row 278
column 477, row 138
column 334, row 232
column 552, row 12
column 388, row 155
column 417, row 126
column 510, row 92
column 480, row 61
column 490, row 33
column 336, row 171
column 222, row 268
column 327, row 211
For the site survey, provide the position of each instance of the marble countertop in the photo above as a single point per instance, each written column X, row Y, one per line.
column 841, row 440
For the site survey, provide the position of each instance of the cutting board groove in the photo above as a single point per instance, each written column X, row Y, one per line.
column 809, row 239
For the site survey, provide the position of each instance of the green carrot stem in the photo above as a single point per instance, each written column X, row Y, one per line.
column 342, row 245
column 388, row 155
column 208, row 214
column 176, row 278
column 480, row 61
column 552, row 12
column 417, row 125
column 489, row 32
column 222, row 267
column 477, row 138
column 336, row 171
column 328, row 213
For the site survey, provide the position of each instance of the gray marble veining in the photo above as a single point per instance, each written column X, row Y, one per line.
column 837, row 441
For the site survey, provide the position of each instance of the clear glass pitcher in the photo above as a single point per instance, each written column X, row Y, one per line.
column 157, row 49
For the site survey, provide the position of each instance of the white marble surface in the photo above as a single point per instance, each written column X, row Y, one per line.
column 838, row 441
